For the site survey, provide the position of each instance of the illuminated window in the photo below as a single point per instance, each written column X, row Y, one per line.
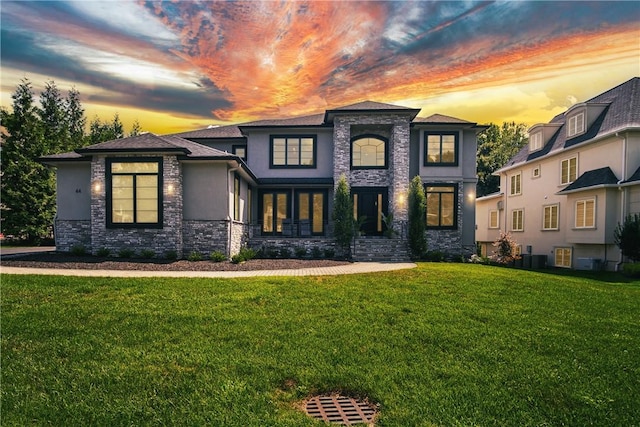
column 274, row 210
column 562, row 257
column 134, row 193
column 494, row 218
column 569, row 170
column 516, row 185
column 236, row 198
column 441, row 149
column 517, row 220
column 442, row 205
column 586, row 213
column 311, row 211
column 240, row 151
column 535, row 141
column 550, row 218
column 293, row 152
column 368, row 152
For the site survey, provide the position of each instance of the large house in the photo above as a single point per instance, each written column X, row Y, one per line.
column 270, row 183
column 562, row 196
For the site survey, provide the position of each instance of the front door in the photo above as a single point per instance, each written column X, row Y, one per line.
column 369, row 205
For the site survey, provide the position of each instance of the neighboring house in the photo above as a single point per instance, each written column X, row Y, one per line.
column 270, row 183
column 564, row 193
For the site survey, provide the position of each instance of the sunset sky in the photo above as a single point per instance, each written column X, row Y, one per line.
column 183, row 65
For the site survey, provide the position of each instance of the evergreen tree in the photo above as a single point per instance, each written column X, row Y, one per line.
column 27, row 189
column 627, row 237
column 76, row 120
column 53, row 119
column 343, row 222
column 496, row 146
column 105, row 131
column 417, row 218
column 135, row 128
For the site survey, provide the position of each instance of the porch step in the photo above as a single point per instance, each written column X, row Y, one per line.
column 381, row 250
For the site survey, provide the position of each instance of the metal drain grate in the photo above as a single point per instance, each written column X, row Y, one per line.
column 340, row 410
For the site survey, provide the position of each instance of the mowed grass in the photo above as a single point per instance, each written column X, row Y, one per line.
column 443, row 344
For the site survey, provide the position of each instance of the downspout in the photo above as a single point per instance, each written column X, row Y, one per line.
column 623, row 191
column 230, row 207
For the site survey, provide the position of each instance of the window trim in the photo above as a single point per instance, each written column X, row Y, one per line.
column 595, row 216
column 533, row 172
column 109, row 195
column 513, row 211
column 569, row 181
column 455, row 206
column 572, row 125
column 386, row 151
column 456, row 149
column 511, row 191
column 569, row 258
column 544, row 216
column 537, row 137
column 497, row 214
column 274, row 221
column 314, row 163
column 325, row 207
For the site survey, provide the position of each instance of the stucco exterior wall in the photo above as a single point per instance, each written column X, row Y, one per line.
column 73, row 191
column 205, row 191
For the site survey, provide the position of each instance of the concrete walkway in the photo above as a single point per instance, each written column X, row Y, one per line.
column 354, row 268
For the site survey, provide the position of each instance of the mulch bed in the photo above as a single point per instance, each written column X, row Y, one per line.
column 67, row 261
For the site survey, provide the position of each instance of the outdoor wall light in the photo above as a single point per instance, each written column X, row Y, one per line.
column 97, row 187
column 170, row 189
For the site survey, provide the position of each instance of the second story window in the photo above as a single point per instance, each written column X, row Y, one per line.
column 369, row 152
column 550, row 217
column 516, row 185
column 441, row 149
column 293, row 151
column 586, row 213
column 535, row 141
column 240, row 151
column 569, row 170
column 575, row 125
column 442, row 206
column 494, row 218
column 517, row 220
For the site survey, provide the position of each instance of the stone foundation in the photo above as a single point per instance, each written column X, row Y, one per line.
column 70, row 233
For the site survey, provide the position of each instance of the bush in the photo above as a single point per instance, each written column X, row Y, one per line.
column 343, row 223
column 104, row 252
column 78, row 250
column 195, row 256
column 285, row 253
column 316, row 252
column 631, row 270
column 171, row 255
column 329, row 253
column 300, row 252
column 434, row 256
column 147, row 253
column 248, row 253
column 627, row 237
column 417, row 215
column 237, row 259
column 506, row 249
column 218, row 256
column 126, row 253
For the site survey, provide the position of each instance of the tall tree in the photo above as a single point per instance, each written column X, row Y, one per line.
column 417, row 218
column 343, row 227
column 27, row 189
column 76, row 120
column 100, row 131
column 53, row 118
column 135, row 128
column 496, row 146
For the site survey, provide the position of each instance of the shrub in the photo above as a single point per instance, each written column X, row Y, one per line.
column 389, row 230
column 343, row 227
column 195, row 256
column 218, row 256
column 316, row 252
column 631, row 270
column 147, row 253
column 104, row 252
column 329, row 253
column 434, row 256
column 248, row 253
column 237, row 259
column 126, row 253
column 506, row 249
column 417, row 215
column 627, row 237
column 300, row 252
column 78, row 250
column 171, row 255
column 285, row 253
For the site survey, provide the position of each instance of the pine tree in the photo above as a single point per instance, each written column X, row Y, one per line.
column 76, row 120
column 135, row 128
column 417, row 218
column 343, row 222
column 27, row 189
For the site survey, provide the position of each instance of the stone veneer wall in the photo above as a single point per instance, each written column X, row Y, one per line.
column 239, row 237
column 396, row 177
column 168, row 238
column 321, row 243
column 204, row 236
column 69, row 233
column 450, row 241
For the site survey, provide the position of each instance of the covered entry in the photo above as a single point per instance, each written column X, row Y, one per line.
column 370, row 203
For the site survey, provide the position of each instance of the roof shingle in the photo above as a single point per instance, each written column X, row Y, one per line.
column 593, row 178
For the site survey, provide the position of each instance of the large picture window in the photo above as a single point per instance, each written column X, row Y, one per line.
column 369, row 152
column 293, row 151
column 134, row 193
column 442, row 206
column 441, row 149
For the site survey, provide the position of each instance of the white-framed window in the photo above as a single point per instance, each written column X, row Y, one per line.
column 535, row 172
column 550, row 217
column 535, row 141
column 586, row 213
column 568, row 170
column 517, row 220
column 516, row 185
column 575, row 125
column 494, row 218
column 562, row 257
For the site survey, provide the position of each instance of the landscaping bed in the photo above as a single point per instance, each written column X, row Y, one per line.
column 68, row 261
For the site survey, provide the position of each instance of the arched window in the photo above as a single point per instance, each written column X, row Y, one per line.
column 369, row 152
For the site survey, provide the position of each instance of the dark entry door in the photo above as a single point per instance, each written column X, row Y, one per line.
column 370, row 203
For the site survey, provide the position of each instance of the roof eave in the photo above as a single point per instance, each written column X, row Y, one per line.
column 85, row 151
column 589, row 188
column 329, row 114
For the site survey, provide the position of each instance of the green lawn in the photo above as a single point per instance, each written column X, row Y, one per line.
column 443, row 344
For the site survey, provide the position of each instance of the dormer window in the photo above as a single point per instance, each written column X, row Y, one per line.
column 535, row 141
column 575, row 125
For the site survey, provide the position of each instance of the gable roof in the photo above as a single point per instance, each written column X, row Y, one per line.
column 369, row 107
column 441, row 119
column 229, row 131
column 312, row 120
column 622, row 112
column 590, row 179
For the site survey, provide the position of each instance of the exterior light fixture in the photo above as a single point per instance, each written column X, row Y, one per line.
column 97, row 186
column 170, row 189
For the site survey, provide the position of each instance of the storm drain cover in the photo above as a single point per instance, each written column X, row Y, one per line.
column 340, row 410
